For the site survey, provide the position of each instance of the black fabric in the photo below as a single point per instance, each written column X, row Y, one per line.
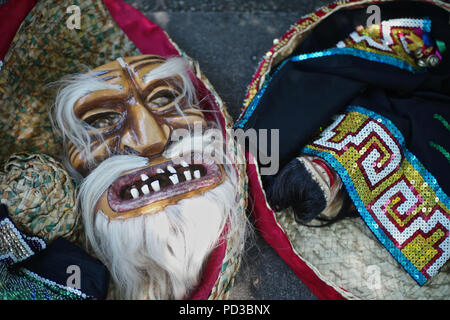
column 303, row 96
column 53, row 262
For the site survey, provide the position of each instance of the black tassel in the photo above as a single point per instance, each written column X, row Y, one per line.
column 294, row 187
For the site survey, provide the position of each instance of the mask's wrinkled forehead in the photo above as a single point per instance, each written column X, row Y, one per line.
column 130, row 69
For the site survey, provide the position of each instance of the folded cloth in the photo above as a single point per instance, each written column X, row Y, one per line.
column 383, row 126
column 31, row 270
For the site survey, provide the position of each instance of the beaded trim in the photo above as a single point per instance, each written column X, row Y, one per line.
column 15, row 246
column 442, row 120
column 400, row 201
column 23, row 284
column 34, row 276
column 367, row 55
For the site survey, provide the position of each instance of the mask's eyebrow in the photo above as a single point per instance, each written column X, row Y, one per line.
column 103, row 75
column 171, row 68
column 74, row 89
column 89, row 84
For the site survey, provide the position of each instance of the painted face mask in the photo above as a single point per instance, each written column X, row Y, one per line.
column 131, row 106
column 145, row 98
column 154, row 197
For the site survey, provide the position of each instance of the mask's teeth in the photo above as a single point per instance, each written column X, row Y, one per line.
column 155, row 186
column 134, row 193
column 184, row 164
column 144, row 177
column 145, row 189
column 159, row 170
column 174, row 179
column 187, row 175
column 197, row 174
column 171, row 169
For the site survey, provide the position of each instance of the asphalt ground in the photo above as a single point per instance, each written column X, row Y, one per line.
column 229, row 38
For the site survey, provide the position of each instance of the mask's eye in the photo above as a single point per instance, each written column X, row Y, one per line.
column 103, row 120
column 161, row 98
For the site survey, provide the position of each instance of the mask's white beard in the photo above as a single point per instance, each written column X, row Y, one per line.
column 158, row 256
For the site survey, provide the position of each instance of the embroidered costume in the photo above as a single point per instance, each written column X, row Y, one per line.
column 375, row 107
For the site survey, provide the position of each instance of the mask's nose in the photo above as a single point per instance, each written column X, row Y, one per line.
column 144, row 135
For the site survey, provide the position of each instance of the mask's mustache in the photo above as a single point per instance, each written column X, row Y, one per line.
column 96, row 183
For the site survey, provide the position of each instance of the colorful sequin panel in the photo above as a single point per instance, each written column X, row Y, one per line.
column 406, row 39
column 400, row 201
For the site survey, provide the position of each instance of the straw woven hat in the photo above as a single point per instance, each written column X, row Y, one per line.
column 345, row 259
column 42, row 51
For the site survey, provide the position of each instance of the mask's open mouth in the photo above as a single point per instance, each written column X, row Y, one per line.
column 162, row 181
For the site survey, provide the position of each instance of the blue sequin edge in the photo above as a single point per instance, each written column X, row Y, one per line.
column 257, row 98
column 371, row 223
column 371, row 56
column 367, row 55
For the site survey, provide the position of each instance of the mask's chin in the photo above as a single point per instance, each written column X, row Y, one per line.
column 164, row 182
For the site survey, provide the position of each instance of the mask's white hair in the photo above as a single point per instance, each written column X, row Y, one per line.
column 162, row 255
column 63, row 117
column 174, row 69
column 74, row 87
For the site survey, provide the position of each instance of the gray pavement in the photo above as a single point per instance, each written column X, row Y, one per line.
column 228, row 38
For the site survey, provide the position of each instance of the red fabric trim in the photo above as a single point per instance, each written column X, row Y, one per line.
column 276, row 238
column 151, row 39
column 12, row 14
column 148, row 37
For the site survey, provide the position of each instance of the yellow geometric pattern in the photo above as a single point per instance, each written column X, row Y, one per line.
column 397, row 197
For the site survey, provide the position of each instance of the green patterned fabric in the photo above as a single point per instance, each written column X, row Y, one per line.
column 26, row 285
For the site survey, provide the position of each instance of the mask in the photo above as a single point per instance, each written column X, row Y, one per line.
column 131, row 106
column 153, row 207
